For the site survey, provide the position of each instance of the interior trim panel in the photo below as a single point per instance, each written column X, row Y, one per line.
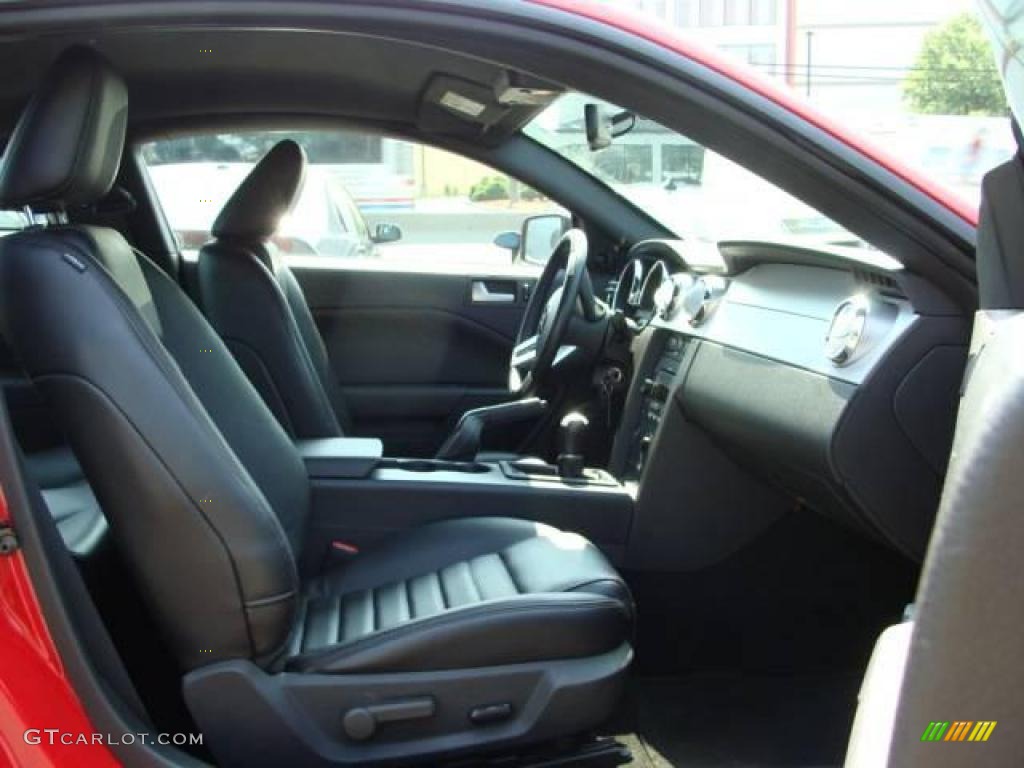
column 783, row 375
column 782, row 312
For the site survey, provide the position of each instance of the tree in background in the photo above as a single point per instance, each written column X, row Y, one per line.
column 955, row 72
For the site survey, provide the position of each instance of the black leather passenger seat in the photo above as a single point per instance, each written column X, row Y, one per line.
column 461, row 624
column 464, row 593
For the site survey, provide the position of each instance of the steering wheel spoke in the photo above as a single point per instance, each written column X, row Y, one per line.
column 564, row 353
column 524, row 354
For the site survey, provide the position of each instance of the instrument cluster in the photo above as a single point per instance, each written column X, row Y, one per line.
column 650, row 289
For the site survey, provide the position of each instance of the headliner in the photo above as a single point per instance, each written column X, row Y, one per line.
column 172, row 78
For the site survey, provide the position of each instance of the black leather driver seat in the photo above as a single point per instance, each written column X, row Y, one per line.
column 254, row 302
column 472, row 634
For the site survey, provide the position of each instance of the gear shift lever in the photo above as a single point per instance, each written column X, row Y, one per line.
column 570, row 454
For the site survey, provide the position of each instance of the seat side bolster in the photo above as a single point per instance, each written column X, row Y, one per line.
column 493, row 633
column 244, row 301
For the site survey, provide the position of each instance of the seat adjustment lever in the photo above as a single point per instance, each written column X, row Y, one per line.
column 360, row 723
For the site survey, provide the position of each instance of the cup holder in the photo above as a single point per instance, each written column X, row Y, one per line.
column 435, row 465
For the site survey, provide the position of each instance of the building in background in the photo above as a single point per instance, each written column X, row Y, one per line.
column 753, row 31
column 843, row 54
column 851, row 59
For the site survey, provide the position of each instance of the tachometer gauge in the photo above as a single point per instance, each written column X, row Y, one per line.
column 629, row 287
column 657, row 278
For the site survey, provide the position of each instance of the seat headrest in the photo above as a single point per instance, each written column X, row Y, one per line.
column 264, row 196
column 67, row 145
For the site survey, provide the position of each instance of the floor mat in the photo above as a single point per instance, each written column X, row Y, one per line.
column 713, row 721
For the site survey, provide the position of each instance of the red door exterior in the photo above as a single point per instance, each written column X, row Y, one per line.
column 35, row 693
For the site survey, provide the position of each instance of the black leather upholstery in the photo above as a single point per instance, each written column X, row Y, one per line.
column 207, row 495
column 202, row 488
column 66, row 147
column 255, row 303
column 253, row 300
column 465, row 593
column 254, row 210
column 69, row 499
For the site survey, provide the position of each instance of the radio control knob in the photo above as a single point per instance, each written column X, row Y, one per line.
column 655, row 390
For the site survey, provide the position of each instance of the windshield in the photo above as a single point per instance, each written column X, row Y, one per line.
column 918, row 78
column 693, row 192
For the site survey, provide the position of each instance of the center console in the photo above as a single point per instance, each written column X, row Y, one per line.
column 359, row 496
column 655, row 389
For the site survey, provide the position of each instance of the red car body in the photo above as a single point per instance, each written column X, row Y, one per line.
column 35, row 690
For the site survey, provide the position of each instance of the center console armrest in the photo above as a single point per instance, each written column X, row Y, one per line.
column 341, row 457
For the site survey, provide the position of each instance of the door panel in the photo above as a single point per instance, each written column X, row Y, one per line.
column 412, row 350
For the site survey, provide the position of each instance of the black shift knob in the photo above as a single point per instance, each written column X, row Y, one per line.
column 570, row 450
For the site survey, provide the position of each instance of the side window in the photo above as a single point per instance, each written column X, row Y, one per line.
column 374, row 201
column 12, row 221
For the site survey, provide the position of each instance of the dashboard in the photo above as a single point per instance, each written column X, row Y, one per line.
column 837, row 322
column 829, row 375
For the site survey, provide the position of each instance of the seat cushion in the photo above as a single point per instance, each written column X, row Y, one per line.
column 463, row 593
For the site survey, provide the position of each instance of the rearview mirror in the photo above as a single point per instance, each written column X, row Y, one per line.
column 602, row 127
column 540, row 236
column 386, row 233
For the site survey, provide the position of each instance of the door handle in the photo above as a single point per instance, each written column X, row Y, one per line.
column 497, row 292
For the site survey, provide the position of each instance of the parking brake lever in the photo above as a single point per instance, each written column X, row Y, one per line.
column 464, row 443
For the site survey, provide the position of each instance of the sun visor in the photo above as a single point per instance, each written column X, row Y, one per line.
column 456, row 106
column 488, row 112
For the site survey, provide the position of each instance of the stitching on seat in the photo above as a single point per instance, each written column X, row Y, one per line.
column 473, row 612
column 444, row 593
column 297, row 643
column 503, row 557
column 475, row 596
column 409, row 607
column 339, row 619
column 262, row 601
column 570, row 587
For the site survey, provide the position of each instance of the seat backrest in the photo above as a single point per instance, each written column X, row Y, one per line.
column 958, row 676
column 253, row 300
column 205, row 493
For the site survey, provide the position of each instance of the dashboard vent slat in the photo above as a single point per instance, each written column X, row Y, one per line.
column 884, row 283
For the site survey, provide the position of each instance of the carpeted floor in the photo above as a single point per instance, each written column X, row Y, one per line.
column 720, row 720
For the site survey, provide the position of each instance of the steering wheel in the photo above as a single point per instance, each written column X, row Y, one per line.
column 541, row 340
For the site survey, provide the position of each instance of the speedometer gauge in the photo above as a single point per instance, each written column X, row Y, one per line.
column 664, row 297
